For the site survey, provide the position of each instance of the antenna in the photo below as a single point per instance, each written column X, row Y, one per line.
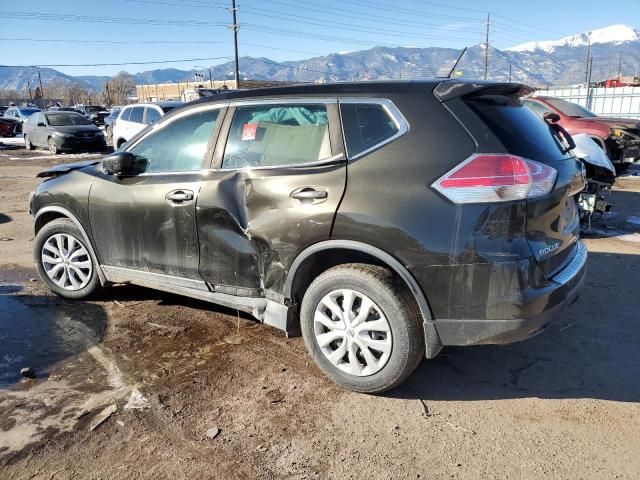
column 453, row 69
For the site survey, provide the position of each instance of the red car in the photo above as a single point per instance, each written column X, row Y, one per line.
column 9, row 127
column 619, row 137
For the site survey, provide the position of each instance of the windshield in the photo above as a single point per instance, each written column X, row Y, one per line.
column 94, row 108
column 29, row 111
column 61, row 119
column 569, row 108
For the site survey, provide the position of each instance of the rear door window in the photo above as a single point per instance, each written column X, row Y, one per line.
column 137, row 114
column 520, row 130
column 277, row 135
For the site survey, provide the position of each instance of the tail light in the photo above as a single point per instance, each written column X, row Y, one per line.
column 489, row 177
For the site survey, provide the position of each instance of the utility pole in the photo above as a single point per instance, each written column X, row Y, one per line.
column 486, row 48
column 620, row 67
column 41, row 89
column 589, row 89
column 235, row 28
column 586, row 68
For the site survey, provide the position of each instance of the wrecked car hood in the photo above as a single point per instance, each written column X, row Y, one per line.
column 590, row 152
column 66, row 168
column 615, row 122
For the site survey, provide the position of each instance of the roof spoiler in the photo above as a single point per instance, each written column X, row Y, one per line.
column 451, row 89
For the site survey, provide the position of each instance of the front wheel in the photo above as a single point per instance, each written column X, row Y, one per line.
column 53, row 148
column 361, row 328
column 63, row 260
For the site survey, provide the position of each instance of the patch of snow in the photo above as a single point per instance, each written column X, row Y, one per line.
column 12, row 141
column 612, row 34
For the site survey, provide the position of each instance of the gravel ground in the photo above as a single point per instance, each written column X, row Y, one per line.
column 221, row 396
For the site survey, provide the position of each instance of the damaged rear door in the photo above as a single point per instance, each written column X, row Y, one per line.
column 279, row 174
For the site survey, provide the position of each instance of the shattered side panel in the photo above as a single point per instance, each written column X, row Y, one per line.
column 251, row 230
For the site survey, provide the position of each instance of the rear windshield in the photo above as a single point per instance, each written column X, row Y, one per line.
column 520, row 130
column 61, row 119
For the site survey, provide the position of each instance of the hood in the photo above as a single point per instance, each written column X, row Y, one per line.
column 590, row 152
column 613, row 122
column 66, row 168
column 77, row 129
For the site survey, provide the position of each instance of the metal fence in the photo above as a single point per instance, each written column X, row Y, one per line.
column 607, row 102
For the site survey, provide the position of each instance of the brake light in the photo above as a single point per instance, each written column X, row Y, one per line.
column 489, row 177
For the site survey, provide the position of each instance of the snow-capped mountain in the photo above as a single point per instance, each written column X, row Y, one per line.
column 558, row 62
column 615, row 34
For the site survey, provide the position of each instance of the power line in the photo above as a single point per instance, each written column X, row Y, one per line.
column 39, row 16
column 116, row 64
column 367, row 17
column 151, row 42
column 352, row 27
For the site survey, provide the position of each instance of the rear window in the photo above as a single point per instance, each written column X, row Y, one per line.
column 366, row 126
column 520, row 130
column 152, row 115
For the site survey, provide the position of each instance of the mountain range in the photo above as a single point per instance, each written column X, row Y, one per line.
column 550, row 62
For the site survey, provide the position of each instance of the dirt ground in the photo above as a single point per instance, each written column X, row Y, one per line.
column 561, row 405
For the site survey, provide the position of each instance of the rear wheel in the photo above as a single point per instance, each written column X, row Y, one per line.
column 361, row 328
column 27, row 143
column 63, row 260
column 53, row 148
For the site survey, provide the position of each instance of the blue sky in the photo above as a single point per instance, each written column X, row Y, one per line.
column 38, row 32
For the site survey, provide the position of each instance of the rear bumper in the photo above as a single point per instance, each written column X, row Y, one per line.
column 536, row 308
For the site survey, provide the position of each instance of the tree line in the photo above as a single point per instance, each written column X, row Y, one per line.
column 116, row 91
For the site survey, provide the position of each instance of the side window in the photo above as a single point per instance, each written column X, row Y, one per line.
column 39, row 118
column 538, row 108
column 274, row 135
column 152, row 116
column 179, row 145
column 125, row 114
column 365, row 126
column 136, row 114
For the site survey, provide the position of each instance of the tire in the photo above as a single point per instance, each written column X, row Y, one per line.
column 53, row 148
column 27, row 143
column 74, row 286
column 378, row 371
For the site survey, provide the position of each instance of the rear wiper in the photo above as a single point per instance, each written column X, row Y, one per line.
column 552, row 120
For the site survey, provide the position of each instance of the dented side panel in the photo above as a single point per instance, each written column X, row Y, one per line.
column 251, row 230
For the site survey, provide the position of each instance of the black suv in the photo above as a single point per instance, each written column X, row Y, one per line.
column 383, row 220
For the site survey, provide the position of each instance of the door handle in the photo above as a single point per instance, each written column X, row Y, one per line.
column 309, row 195
column 179, row 196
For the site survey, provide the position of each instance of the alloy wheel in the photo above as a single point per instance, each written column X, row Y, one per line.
column 66, row 262
column 53, row 148
column 352, row 332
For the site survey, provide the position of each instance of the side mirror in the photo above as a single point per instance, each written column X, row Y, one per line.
column 551, row 117
column 41, row 124
column 124, row 164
